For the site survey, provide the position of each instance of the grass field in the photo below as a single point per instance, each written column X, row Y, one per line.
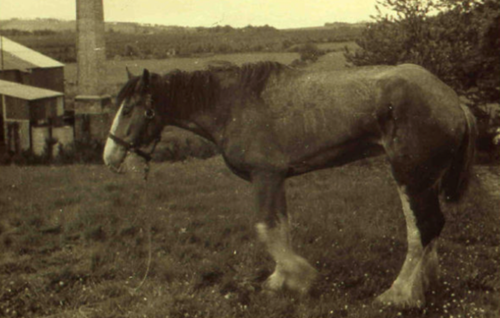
column 75, row 240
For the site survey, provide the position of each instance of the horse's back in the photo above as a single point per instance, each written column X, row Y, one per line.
column 334, row 107
column 314, row 113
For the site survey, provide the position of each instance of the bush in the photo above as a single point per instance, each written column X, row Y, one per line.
column 132, row 51
column 460, row 44
column 309, row 53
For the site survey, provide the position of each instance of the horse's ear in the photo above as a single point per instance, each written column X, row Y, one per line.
column 145, row 78
column 129, row 74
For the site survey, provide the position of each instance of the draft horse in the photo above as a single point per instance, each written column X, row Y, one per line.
column 271, row 122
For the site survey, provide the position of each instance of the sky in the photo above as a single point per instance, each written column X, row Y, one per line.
column 236, row 13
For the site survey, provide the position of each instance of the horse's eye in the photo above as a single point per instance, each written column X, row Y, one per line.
column 149, row 114
column 126, row 111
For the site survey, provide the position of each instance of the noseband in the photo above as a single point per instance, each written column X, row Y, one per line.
column 130, row 147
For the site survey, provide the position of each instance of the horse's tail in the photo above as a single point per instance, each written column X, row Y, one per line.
column 456, row 178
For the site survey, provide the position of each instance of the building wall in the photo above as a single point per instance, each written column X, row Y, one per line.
column 48, row 78
column 2, row 135
column 20, row 114
column 60, row 106
column 46, row 108
column 11, row 76
column 2, row 123
column 18, row 137
column 16, row 108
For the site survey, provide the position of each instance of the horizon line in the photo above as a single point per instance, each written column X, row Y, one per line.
column 180, row 26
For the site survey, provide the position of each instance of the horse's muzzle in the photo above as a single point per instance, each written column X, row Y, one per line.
column 114, row 155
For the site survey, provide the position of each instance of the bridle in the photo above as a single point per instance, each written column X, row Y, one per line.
column 130, row 146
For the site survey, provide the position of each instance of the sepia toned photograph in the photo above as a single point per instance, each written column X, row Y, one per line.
column 250, row 158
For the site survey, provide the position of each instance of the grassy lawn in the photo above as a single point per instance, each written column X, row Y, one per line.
column 75, row 241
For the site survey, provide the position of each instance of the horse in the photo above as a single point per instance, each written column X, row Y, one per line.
column 271, row 122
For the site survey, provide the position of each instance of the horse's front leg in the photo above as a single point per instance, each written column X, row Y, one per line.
column 292, row 271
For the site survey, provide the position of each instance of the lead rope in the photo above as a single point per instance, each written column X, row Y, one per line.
column 148, row 229
column 149, row 259
column 146, row 169
column 146, row 174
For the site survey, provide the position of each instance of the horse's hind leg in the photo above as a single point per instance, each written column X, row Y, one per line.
column 292, row 271
column 424, row 222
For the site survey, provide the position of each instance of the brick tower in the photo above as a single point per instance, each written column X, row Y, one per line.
column 91, row 111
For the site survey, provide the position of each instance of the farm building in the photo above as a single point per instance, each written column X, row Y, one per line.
column 31, row 100
column 25, row 66
column 26, row 115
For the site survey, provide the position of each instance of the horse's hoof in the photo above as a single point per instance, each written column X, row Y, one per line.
column 302, row 279
column 275, row 282
column 269, row 293
column 399, row 299
column 295, row 275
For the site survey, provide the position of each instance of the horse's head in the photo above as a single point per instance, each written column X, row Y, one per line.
column 137, row 124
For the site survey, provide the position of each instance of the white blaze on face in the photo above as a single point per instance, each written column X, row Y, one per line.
column 113, row 153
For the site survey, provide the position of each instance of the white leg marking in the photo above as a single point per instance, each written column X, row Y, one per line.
column 419, row 268
column 415, row 248
column 292, row 271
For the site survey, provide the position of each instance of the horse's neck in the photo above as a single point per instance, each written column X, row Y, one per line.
column 200, row 125
column 200, row 130
column 205, row 114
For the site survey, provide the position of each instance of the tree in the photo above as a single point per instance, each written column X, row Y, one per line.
column 459, row 41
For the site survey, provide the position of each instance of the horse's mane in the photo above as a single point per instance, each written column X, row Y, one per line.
column 255, row 76
column 190, row 91
column 252, row 76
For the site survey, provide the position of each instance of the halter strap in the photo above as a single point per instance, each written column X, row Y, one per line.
column 132, row 148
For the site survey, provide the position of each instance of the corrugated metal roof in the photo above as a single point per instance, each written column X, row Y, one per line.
column 17, row 56
column 25, row 91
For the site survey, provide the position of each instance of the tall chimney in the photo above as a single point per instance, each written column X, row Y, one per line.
column 91, row 51
column 91, row 113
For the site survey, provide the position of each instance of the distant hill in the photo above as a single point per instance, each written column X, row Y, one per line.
column 37, row 25
column 334, row 25
column 57, row 39
column 33, row 25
